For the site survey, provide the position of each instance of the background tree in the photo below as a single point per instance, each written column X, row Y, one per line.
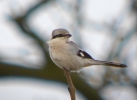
column 120, row 45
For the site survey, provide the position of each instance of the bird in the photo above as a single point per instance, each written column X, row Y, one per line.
column 67, row 55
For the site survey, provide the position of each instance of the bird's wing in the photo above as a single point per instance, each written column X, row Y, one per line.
column 79, row 51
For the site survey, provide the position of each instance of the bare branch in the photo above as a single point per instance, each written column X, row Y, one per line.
column 70, row 83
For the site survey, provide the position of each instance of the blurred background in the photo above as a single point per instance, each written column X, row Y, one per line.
column 106, row 29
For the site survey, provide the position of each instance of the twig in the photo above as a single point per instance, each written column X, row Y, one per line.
column 71, row 87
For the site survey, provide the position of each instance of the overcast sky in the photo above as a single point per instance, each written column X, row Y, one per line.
column 99, row 11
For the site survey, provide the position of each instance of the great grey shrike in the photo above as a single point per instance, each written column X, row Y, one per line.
column 67, row 55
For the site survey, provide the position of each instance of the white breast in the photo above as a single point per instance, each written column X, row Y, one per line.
column 62, row 55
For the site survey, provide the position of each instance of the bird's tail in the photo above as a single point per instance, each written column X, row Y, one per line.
column 106, row 63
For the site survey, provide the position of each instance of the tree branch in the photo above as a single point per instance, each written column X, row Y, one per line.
column 48, row 73
column 71, row 87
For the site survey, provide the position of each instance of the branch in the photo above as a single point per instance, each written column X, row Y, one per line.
column 70, row 83
column 48, row 73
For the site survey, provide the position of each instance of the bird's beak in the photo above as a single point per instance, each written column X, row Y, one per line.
column 69, row 35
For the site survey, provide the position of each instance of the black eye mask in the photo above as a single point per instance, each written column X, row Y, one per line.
column 59, row 35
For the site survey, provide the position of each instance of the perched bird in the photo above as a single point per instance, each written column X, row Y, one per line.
column 67, row 55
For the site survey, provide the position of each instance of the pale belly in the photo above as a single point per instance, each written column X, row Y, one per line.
column 66, row 60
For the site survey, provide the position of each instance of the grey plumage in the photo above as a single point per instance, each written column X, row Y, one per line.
column 66, row 54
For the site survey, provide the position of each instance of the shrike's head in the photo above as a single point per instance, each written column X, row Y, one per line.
column 60, row 33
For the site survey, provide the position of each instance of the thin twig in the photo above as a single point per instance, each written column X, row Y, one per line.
column 70, row 83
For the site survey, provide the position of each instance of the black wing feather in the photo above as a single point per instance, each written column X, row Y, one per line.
column 83, row 54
